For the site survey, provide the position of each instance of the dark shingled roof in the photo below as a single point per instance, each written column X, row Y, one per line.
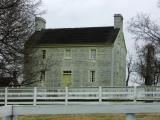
column 88, row 35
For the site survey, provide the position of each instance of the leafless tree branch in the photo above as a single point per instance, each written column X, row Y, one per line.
column 16, row 26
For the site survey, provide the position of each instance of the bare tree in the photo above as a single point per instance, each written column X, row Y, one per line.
column 158, row 3
column 145, row 29
column 147, row 65
column 16, row 26
column 147, row 68
column 147, row 32
column 130, row 67
column 6, row 4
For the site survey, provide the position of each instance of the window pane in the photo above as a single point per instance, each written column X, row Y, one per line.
column 43, row 74
column 43, row 54
column 92, row 76
column 93, row 53
column 68, row 53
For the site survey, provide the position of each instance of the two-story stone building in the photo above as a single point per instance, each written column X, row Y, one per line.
column 78, row 57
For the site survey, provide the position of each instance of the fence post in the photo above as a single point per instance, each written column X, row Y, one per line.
column 6, row 96
column 130, row 116
column 66, row 95
column 100, row 94
column 9, row 117
column 35, row 96
column 135, row 93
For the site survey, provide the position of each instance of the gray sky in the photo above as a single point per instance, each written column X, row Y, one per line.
column 90, row 13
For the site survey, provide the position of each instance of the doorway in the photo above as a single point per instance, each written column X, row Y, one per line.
column 67, row 78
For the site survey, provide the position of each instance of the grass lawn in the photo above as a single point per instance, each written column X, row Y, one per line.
column 77, row 117
column 155, row 116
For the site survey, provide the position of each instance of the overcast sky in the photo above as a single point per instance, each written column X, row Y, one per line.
column 91, row 13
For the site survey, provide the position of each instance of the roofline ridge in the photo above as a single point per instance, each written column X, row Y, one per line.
column 79, row 27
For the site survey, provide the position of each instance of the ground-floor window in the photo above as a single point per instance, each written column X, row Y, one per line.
column 67, row 78
column 92, row 75
column 43, row 75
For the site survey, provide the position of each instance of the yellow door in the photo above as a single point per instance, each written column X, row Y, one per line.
column 66, row 80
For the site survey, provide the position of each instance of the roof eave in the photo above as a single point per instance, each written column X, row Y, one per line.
column 73, row 45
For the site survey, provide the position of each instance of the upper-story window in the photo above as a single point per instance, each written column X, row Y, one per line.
column 93, row 54
column 44, row 54
column 68, row 54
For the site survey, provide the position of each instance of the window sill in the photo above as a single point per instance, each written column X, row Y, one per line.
column 94, row 60
column 67, row 58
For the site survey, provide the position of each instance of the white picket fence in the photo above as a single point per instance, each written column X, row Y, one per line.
column 83, row 95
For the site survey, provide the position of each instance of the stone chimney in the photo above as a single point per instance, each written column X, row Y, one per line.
column 40, row 23
column 118, row 21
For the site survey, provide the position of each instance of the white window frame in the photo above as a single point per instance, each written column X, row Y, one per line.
column 91, row 56
column 91, row 80
column 66, row 56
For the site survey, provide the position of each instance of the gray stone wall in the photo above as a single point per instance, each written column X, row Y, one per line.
column 80, row 64
column 119, row 53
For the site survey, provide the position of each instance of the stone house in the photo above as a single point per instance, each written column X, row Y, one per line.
column 76, row 57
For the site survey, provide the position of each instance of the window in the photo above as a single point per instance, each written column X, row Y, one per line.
column 44, row 54
column 93, row 54
column 43, row 74
column 68, row 54
column 92, row 76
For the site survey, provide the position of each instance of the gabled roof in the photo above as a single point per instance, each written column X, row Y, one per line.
column 88, row 35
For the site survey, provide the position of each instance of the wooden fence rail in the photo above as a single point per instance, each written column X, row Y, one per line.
column 83, row 95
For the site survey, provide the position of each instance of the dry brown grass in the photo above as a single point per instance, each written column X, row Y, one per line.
column 155, row 116
column 76, row 117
